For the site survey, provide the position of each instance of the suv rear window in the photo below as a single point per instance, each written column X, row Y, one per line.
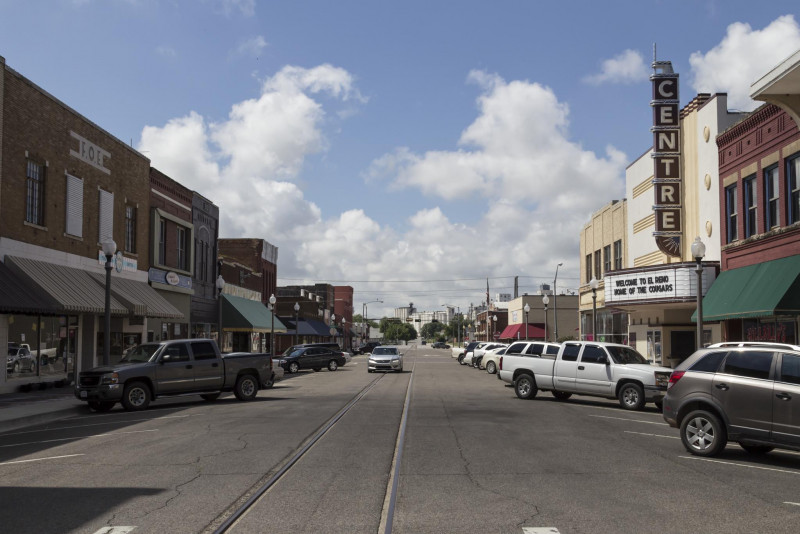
column 790, row 369
column 748, row 363
column 708, row 363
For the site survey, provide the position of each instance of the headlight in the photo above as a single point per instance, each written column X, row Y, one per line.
column 112, row 378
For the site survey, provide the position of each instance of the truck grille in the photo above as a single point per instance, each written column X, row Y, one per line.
column 89, row 381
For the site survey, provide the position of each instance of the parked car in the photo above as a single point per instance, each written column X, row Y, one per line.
column 277, row 373
column 169, row 368
column 469, row 353
column 367, row 347
column 312, row 357
column 385, row 359
column 460, row 352
column 440, row 345
column 745, row 394
column 478, row 352
column 606, row 370
column 20, row 359
column 491, row 359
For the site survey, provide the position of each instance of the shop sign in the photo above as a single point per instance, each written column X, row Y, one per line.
column 169, row 278
column 120, row 262
column 666, row 158
column 676, row 282
column 90, row 153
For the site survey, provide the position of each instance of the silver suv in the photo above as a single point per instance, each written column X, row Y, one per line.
column 743, row 393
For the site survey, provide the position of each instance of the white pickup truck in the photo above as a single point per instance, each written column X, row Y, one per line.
column 584, row 368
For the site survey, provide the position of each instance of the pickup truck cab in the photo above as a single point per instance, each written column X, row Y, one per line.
column 589, row 368
column 172, row 368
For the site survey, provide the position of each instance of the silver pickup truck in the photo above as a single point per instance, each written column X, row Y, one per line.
column 172, row 368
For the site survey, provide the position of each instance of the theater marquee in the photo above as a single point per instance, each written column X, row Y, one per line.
column 666, row 158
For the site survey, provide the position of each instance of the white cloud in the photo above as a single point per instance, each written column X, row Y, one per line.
column 166, row 51
column 627, row 67
column 245, row 7
column 744, row 56
column 251, row 47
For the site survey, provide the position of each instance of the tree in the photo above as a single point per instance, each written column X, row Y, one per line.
column 358, row 318
column 432, row 330
column 386, row 321
column 395, row 330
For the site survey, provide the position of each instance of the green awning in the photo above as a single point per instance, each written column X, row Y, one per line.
column 761, row 290
column 244, row 315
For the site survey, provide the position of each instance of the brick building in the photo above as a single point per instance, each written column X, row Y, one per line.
column 204, row 309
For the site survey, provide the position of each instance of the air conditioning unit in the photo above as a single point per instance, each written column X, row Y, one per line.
column 302, row 292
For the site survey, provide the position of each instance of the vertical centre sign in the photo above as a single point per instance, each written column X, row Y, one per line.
column 666, row 158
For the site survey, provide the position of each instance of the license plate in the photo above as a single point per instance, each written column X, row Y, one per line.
column 84, row 394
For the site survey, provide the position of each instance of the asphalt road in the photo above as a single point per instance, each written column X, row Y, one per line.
column 474, row 459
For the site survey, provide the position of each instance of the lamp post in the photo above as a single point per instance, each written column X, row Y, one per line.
column 555, row 305
column 545, row 301
column 527, row 309
column 494, row 326
column 109, row 249
column 364, row 316
column 344, row 333
column 593, row 283
column 698, row 251
column 220, row 287
column 296, row 320
column 272, row 301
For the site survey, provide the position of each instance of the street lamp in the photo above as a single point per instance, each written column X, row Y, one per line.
column 272, row 301
column 593, row 283
column 555, row 305
column 698, row 251
column 344, row 333
column 494, row 326
column 545, row 301
column 296, row 320
column 109, row 249
column 220, row 287
column 364, row 316
column 527, row 308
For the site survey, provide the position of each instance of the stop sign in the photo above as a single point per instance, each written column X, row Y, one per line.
column 497, row 335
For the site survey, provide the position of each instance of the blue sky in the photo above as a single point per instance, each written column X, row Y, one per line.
column 436, row 142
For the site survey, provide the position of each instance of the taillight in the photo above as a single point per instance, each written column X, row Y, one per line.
column 674, row 377
column 501, row 363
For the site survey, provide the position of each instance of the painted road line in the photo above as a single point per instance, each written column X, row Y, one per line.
column 662, row 423
column 653, row 435
column 77, row 438
column 792, row 503
column 617, row 409
column 539, row 530
column 115, row 530
column 98, row 424
column 40, row 459
column 741, row 465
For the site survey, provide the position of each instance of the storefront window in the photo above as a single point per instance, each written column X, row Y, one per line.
column 654, row 346
column 40, row 347
column 779, row 330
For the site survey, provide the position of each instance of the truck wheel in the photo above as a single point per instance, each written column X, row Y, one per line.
column 101, row 406
column 246, row 388
column 293, row 368
column 136, row 396
column 332, row 365
column 660, row 405
column 491, row 368
column 210, row 397
column 525, row 386
column 703, row 434
column 561, row 395
column 317, row 369
column 631, row 397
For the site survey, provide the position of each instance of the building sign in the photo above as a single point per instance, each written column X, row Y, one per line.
column 671, row 283
column 169, row 278
column 90, row 153
column 666, row 158
column 120, row 262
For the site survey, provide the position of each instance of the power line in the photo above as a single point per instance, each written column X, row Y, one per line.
column 433, row 280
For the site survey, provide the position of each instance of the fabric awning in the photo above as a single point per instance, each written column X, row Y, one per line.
column 517, row 331
column 761, row 290
column 19, row 296
column 302, row 327
column 320, row 327
column 73, row 289
column 141, row 299
column 244, row 315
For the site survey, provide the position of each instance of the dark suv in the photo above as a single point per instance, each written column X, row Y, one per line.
column 743, row 393
column 311, row 357
column 367, row 347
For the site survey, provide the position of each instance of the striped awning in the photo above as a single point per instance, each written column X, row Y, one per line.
column 20, row 296
column 141, row 299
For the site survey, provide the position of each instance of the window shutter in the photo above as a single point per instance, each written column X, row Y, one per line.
column 74, row 206
column 106, row 216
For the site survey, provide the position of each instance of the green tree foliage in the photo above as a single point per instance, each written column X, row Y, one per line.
column 386, row 321
column 432, row 330
column 358, row 318
column 397, row 331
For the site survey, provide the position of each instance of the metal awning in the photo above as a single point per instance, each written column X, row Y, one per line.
column 141, row 299
column 73, row 289
column 244, row 315
column 518, row 332
column 320, row 328
column 761, row 290
column 19, row 296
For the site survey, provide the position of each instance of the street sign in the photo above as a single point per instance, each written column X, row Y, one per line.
column 333, row 331
column 497, row 335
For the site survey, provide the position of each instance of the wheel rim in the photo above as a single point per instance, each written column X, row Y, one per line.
column 524, row 386
column 490, row 367
column 137, row 396
column 293, row 368
column 700, row 433
column 248, row 387
column 332, row 366
column 630, row 397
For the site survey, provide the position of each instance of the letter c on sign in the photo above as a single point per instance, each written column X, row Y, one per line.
column 666, row 93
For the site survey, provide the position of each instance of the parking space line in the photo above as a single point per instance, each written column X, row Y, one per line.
column 792, row 503
column 97, row 424
column 539, row 530
column 662, row 423
column 741, row 465
column 618, row 409
column 40, row 459
column 77, row 438
column 653, row 435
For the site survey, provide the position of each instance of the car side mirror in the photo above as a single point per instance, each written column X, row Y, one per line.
column 165, row 358
column 604, row 359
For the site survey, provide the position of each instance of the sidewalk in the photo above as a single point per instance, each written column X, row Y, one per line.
column 23, row 409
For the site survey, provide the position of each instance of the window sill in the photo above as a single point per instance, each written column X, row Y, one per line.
column 74, row 237
column 33, row 225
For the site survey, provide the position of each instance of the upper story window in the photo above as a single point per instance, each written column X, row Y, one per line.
column 74, row 206
column 606, row 258
column 130, row 228
column 731, row 213
column 597, row 265
column 183, row 257
column 588, row 268
column 750, row 206
column 162, row 241
column 618, row 254
column 771, row 191
column 201, row 260
column 106, row 219
column 34, row 193
column 793, row 189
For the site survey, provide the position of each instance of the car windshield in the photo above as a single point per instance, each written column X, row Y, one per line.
column 294, row 353
column 384, row 350
column 625, row 355
column 142, row 353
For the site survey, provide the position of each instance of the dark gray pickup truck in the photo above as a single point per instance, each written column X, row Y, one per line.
column 171, row 368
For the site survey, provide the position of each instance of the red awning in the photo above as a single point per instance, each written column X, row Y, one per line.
column 517, row 331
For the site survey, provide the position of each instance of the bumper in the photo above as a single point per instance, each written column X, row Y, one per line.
column 654, row 393
column 108, row 392
column 393, row 365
